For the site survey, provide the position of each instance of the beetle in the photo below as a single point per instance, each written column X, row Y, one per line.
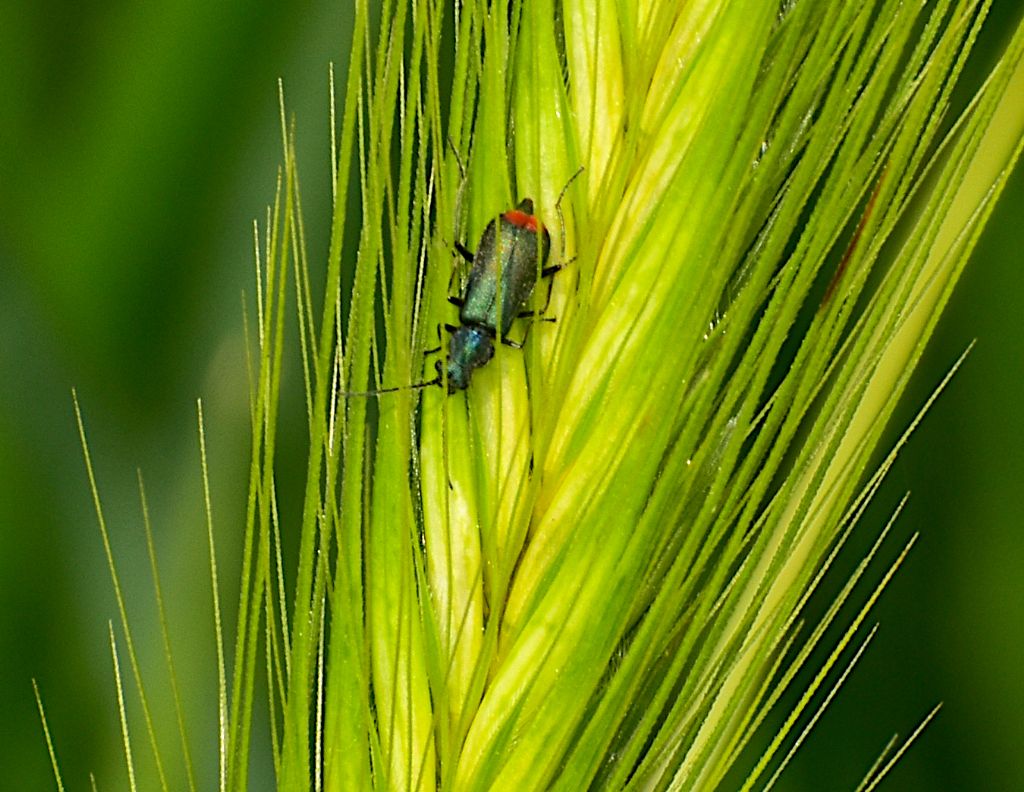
column 501, row 280
column 502, row 277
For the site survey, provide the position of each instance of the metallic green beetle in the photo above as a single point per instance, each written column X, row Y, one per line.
column 501, row 281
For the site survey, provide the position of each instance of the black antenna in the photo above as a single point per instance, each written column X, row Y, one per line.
column 414, row 386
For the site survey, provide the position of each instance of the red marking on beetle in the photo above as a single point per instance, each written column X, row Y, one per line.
column 521, row 219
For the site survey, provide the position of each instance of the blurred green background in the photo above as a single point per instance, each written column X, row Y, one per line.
column 137, row 144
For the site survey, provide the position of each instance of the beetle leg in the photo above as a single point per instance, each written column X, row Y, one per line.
column 467, row 254
column 547, row 300
column 438, row 348
column 540, row 317
column 520, row 344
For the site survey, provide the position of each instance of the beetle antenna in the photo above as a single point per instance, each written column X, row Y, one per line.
column 415, row 386
column 558, row 208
